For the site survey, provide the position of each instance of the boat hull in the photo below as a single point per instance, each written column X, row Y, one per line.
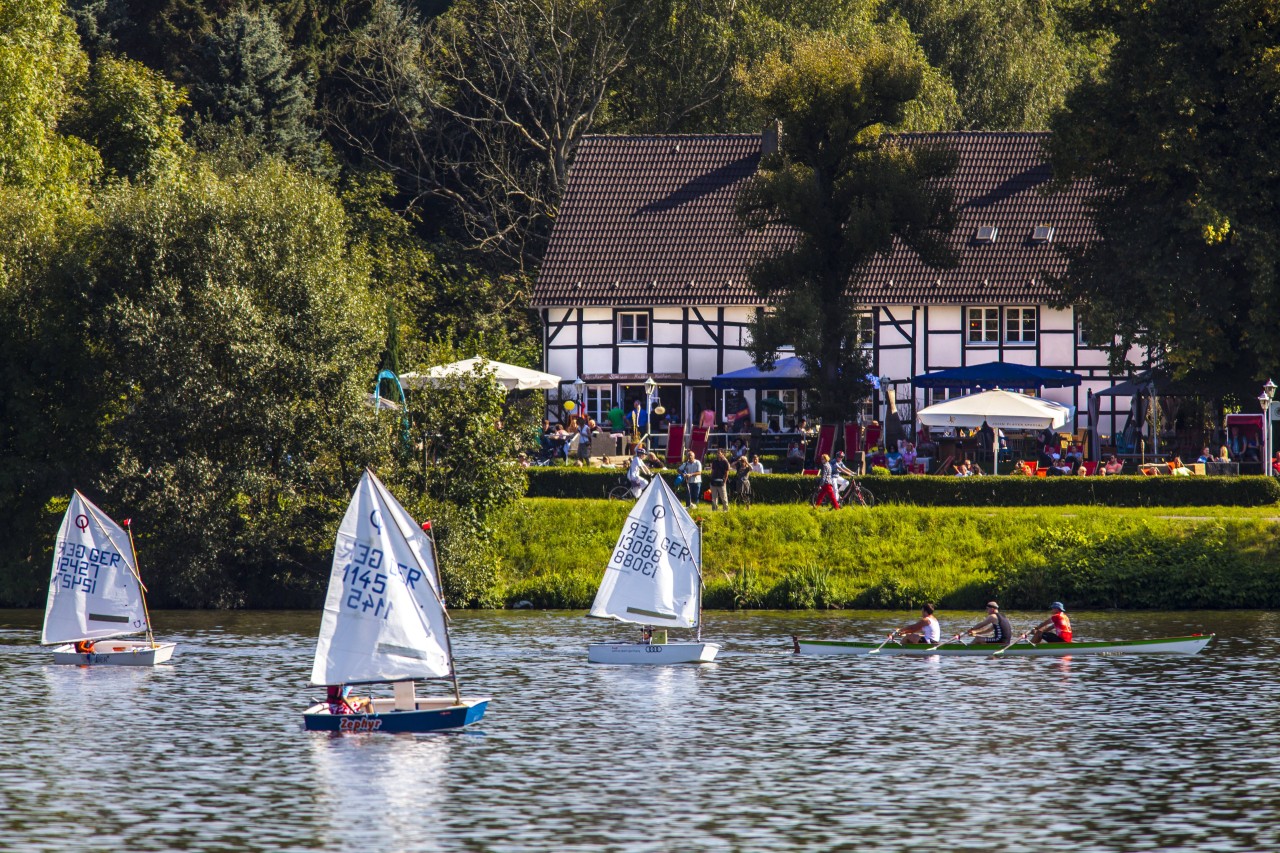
column 116, row 653
column 652, row 653
column 1164, row 645
column 431, row 715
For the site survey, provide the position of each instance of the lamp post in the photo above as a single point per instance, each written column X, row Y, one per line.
column 650, row 386
column 1264, row 400
column 579, row 388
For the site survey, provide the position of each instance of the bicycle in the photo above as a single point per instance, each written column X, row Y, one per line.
column 621, row 492
column 853, row 494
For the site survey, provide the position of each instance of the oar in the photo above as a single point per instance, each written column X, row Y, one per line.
column 1002, row 649
column 944, row 642
column 882, row 645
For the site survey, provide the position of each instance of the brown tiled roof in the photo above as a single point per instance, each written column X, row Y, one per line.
column 648, row 220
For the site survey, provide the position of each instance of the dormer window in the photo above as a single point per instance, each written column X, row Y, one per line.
column 1042, row 234
column 986, row 234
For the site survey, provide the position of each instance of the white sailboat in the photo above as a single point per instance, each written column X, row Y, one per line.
column 385, row 622
column 654, row 579
column 96, row 595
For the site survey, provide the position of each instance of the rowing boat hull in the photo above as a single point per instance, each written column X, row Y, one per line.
column 115, row 653
column 1164, row 645
column 431, row 715
column 652, row 653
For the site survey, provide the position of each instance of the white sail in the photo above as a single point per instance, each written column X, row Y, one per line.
column 94, row 590
column 653, row 577
column 383, row 617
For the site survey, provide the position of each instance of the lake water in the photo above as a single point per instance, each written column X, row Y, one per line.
column 760, row 751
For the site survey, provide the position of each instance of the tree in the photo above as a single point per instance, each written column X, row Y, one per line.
column 473, row 433
column 1181, row 137
column 246, row 75
column 41, row 66
column 843, row 193
column 1011, row 61
column 198, row 352
column 482, row 108
column 131, row 115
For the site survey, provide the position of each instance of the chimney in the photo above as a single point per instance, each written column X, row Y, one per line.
column 770, row 138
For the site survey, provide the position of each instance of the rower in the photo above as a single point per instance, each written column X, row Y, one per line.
column 924, row 630
column 1061, row 630
column 995, row 628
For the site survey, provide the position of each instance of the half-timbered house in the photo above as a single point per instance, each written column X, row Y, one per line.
column 646, row 274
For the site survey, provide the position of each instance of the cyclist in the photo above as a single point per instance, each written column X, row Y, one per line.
column 637, row 473
column 843, row 475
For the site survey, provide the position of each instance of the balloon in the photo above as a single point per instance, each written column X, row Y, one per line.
column 706, row 496
column 569, row 405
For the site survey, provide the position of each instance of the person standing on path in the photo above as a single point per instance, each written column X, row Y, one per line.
column 826, row 484
column 719, row 479
column 691, row 470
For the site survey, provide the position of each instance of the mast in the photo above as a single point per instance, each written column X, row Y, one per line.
column 448, row 642
column 698, row 636
column 142, row 588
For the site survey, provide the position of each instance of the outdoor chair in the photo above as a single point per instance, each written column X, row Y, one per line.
column 698, row 441
column 675, row 445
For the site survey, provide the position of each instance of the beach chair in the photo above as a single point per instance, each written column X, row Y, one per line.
column 1090, row 468
column 675, row 444
column 826, row 442
column 872, row 437
column 698, row 441
column 851, row 439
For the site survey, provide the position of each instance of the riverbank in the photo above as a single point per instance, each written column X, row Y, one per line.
column 793, row 557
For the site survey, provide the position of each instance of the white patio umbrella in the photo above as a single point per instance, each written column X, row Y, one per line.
column 509, row 376
column 1000, row 409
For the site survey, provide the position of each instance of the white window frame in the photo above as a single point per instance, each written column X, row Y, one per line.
column 634, row 317
column 989, row 315
column 595, row 402
column 1016, row 319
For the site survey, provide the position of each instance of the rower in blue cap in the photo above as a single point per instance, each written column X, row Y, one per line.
column 1061, row 630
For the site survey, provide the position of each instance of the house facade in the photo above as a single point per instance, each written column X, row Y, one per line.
column 646, row 276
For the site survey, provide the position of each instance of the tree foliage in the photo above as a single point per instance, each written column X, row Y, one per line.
column 1180, row 133
column 845, row 193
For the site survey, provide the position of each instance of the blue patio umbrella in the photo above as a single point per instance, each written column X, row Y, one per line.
column 786, row 373
column 997, row 374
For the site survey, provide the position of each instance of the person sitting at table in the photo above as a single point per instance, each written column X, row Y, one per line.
column 893, row 461
column 1251, row 453
column 1224, row 455
column 1058, row 467
column 1206, row 455
column 795, row 455
column 756, row 466
column 1046, row 457
column 1235, row 441
column 1113, row 467
column 965, row 469
column 909, row 455
column 739, row 450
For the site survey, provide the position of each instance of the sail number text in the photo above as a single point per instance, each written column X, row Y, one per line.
column 79, row 565
column 365, row 577
column 641, row 548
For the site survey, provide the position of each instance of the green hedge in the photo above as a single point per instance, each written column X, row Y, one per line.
column 572, row 482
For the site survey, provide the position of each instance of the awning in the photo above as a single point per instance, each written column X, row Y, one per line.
column 509, row 376
column 997, row 374
column 786, row 373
